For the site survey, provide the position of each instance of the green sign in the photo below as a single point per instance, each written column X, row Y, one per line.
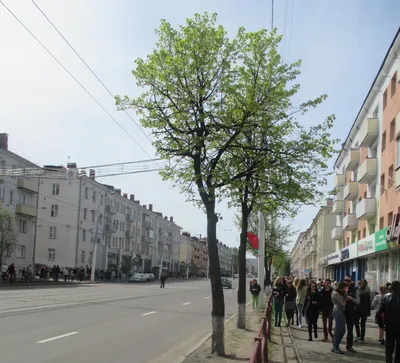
column 380, row 240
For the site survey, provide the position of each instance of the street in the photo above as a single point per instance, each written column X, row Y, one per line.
column 106, row 323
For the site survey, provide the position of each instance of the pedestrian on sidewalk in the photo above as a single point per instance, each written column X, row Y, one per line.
column 389, row 315
column 279, row 293
column 339, row 299
column 290, row 302
column 363, row 311
column 311, row 310
column 300, row 299
column 163, row 278
column 353, row 299
column 376, row 303
column 327, row 309
column 255, row 289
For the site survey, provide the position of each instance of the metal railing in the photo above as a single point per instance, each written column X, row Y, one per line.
column 260, row 349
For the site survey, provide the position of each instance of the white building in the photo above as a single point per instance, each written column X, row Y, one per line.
column 225, row 259
column 18, row 195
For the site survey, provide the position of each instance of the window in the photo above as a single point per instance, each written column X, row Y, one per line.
column 52, row 254
column 382, row 183
column 94, row 198
column 384, row 99
column 381, row 222
column 11, row 197
column 22, row 226
column 53, row 232
column 20, row 251
column 83, row 257
column 384, row 141
column 390, row 217
column 22, row 199
column 84, row 235
column 85, row 213
column 102, row 200
column 86, row 193
column 372, row 228
column 393, row 85
column 392, row 129
column 390, row 176
column 364, row 233
column 56, row 189
column 54, row 210
column 359, row 235
column 93, row 216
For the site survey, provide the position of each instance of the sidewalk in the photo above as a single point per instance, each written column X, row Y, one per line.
column 318, row 351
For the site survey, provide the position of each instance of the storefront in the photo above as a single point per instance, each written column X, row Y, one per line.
column 365, row 247
column 344, row 262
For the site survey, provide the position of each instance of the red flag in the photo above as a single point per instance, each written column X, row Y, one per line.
column 253, row 240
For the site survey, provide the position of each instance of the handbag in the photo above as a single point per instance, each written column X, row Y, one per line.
column 290, row 305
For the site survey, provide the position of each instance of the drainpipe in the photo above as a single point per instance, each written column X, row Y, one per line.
column 35, row 233
column 78, row 222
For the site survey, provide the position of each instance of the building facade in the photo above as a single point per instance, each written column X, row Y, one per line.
column 225, row 259
column 295, row 257
column 367, row 181
column 19, row 196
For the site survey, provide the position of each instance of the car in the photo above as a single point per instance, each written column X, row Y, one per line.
column 149, row 277
column 138, row 277
column 226, row 282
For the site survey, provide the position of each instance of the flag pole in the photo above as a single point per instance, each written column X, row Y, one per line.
column 261, row 256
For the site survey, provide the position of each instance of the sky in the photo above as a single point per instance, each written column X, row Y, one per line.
column 51, row 120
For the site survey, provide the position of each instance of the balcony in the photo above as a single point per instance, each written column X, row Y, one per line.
column 350, row 222
column 28, row 185
column 337, row 233
column 367, row 171
column 338, row 207
column 366, row 209
column 146, row 224
column 128, row 234
column 350, row 191
column 111, row 210
column 352, row 159
column 26, row 210
column 110, row 228
column 339, row 180
column 397, row 126
column 369, row 132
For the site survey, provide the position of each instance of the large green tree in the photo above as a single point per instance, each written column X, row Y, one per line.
column 8, row 235
column 202, row 101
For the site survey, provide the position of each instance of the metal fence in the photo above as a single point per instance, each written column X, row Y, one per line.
column 260, row 349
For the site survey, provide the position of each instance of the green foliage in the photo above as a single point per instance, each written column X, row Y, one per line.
column 126, row 264
column 8, row 235
column 281, row 263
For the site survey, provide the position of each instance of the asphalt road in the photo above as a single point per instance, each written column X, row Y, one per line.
column 135, row 323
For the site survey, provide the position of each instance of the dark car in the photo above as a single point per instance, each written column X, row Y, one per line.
column 226, row 282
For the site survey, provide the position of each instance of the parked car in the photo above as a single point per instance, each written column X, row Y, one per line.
column 138, row 277
column 226, row 282
column 149, row 277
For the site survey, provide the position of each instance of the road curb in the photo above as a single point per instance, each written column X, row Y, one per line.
column 203, row 340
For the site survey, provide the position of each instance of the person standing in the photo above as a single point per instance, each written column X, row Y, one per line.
column 327, row 309
column 278, row 292
column 389, row 315
column 163, row 278
column 290, row 302
column 376, row 303
column 353, row 299
column 311, row 310
column 363, row 311
column 300, row 299
column 339, row 299
column 255, row 289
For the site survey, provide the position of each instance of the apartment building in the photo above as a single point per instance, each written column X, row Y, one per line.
column 225, row 256
column 367, row 181
column 251, row 266
column 200, row 256
column 75, row 212
column 295, row 257
column 18, row 195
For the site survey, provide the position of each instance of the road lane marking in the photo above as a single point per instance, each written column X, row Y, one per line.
column 149, row 313
column 57, row 337
column 207, row 297
column 186, row 303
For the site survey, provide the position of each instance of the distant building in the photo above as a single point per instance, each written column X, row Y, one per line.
column 251, row 266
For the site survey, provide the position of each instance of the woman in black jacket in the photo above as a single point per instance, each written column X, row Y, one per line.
column 311, row 310
column 362, row 311
column 279, row 293
column 290, row 302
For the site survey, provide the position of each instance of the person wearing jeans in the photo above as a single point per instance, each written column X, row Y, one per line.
column 255, row 289
column 278, row 292
column 327, row 309
column 353, row 299
column 362, row 311
column 339, row 299
column 300, row 299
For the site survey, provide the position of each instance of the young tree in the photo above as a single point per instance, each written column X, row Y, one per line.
column 8, row 235
column 201, row 104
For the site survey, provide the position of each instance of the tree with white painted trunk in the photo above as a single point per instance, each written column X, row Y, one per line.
column 8, row 235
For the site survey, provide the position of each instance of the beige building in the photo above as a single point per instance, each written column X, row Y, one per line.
column 295, row 256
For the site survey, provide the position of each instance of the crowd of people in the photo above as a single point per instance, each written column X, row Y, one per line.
column 345, row 305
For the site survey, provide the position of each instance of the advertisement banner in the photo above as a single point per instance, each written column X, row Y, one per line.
column 334, row 258
column 380, row 240
column 366, row 245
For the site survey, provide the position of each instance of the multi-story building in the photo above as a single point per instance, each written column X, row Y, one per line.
column 295, row 257
column 18, row 195
column 251, row 266
column 200, row 256
column 225, row 259
column 367, row 204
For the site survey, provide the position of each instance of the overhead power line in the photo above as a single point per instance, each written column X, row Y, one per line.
column 73, row 77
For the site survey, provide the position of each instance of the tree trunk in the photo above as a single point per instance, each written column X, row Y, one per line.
column 241, row 320
column 218, row 304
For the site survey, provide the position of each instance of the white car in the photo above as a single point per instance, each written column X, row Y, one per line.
column 149, row 277
column 138, row 277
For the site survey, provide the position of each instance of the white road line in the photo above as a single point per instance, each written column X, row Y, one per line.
column 57, row 337
column 149, row 313
column 186, row 303
column 207, row 297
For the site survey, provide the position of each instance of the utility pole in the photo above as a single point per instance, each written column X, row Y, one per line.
column 94, row 255
column 261, row 255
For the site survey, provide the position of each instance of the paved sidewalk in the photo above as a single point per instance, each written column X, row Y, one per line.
column 318, row 351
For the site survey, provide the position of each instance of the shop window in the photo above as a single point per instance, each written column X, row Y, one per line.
column 381, row 222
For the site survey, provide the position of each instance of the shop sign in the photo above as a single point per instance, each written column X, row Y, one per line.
column 366, row 246
column 393, row 232
column 380, row 240
column 333, row 258
column 344, row 254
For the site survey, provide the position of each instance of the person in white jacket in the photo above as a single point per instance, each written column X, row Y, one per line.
column 376, row 303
